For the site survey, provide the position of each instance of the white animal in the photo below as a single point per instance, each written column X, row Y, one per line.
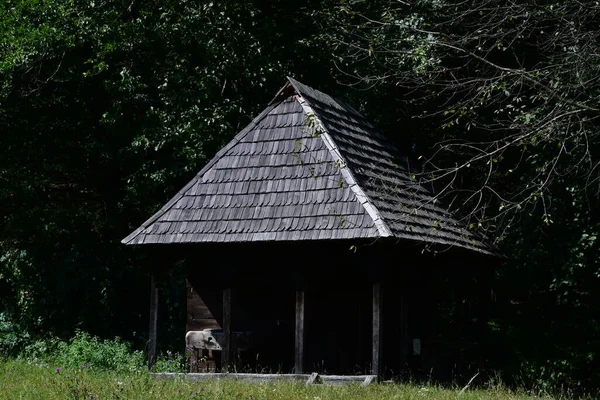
column 201, row 340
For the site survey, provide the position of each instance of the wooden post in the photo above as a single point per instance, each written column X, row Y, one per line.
column 226, row 353
column 299, row 354
column 153, row 321
column 403, row 332
column 485, row 291
column 376, row 360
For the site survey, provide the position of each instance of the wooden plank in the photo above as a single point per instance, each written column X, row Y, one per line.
column 299, row 351
column 325, row 379
column 403, row 332
column 376, row 350
column 197, row 308
column 199, row 316
column 226, row 354
column 313, row 379
column 233, row 376
column 344, row 379
column 202, row 324
column 195, row 358
column 198, row 311
column 368, row 380
column 153, row 321
column 360, row 325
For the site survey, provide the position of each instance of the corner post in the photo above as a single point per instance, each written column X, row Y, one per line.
column 377, row 331
column 226, row 352
column 299, row 350
column 153, row 321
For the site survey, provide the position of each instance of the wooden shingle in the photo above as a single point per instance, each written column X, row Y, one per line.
column 309, row 167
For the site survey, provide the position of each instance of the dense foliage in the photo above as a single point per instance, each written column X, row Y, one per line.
column 507, row 108
column 108, row 107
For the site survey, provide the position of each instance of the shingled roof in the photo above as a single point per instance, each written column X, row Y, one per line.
column 309, row 167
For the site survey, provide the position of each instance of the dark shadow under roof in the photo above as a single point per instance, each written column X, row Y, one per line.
column 309, row 167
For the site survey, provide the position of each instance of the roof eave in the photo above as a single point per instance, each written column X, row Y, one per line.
column 128, row 240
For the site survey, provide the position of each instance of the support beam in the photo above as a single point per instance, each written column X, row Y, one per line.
column 403, row 332
column 153, row 321
column 226, row 353
column 376, row 352
column 299, row 353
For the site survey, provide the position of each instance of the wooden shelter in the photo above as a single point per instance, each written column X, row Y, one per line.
column 308, row 231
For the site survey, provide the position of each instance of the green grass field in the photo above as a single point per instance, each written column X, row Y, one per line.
column 27, row 380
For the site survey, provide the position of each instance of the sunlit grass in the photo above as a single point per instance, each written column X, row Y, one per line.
column 26, row 380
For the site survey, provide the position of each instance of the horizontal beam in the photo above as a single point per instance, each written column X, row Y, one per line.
column 235, row 376
column 325, row 379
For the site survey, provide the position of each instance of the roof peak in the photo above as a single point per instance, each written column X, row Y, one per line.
column 310, row 169
column 361, row 197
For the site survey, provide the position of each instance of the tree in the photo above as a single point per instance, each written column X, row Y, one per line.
column 505, row 97
column 107, row 108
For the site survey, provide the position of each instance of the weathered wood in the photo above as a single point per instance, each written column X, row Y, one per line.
column 313, row 378
column 202, row 324
column 368, row 380
column 153, row 321
column 197, row 362
column 484, row 296
column 325, row 379
column 233, row 376
column 344, row 379
column 199, row 316
column 198, row 310
column 299, row 354
column 210, row 364
column 403, row 331
column 226, row 354
column 376, row 351
column 228, row 200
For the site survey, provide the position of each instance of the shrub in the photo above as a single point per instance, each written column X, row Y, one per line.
column 12, row 338
column 40, row 351
column 170, row 362
column 90, row 351
column 87, row 351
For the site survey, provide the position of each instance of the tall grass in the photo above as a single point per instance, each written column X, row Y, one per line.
column 87, row 367
column 20, row 379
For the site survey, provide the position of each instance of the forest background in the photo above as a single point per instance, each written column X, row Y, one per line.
column 108, row 107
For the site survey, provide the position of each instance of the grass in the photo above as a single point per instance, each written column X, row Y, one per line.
column 21, row 379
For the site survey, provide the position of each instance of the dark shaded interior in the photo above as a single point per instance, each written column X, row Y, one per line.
column 440, row 299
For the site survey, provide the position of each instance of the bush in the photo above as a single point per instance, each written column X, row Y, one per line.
column 170, row 362
column 85, row 351
column 12, row 339
column 40, row 351
column 88, row 351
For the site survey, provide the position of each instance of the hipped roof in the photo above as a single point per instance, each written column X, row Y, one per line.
column 309, row 167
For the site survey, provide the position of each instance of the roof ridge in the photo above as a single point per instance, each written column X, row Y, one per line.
column 364, row 200
column 236, row 139
column 358, row 163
